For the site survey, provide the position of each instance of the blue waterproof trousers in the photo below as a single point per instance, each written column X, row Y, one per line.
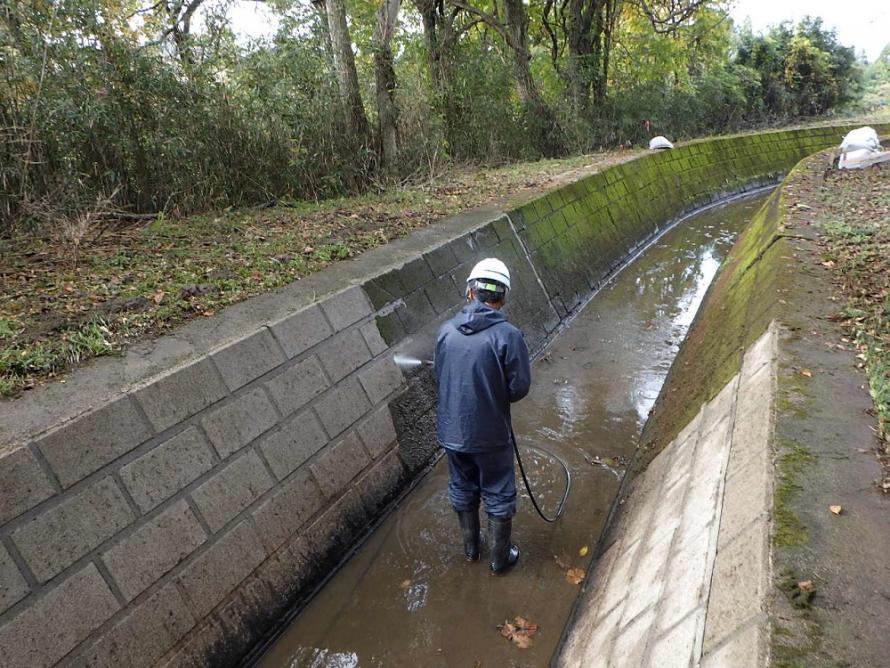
column 489, row 474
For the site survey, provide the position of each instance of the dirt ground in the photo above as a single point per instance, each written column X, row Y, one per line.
column 831, row 605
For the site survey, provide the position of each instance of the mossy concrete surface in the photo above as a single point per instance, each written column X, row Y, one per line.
column 830, row 602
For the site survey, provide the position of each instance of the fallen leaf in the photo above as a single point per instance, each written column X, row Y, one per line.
column 806, row 372
column 404, row 584
column 583, row 551
column 519, row 631
column 806, row 585
column 158, row 297
column 837, row 510
column 574, row 576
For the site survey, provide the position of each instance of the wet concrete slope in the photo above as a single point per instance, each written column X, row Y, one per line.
column 408, row 598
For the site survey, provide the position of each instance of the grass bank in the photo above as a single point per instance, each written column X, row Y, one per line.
column 61, row 305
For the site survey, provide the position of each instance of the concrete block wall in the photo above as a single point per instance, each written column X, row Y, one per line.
column 170, row 505
column 576, row 235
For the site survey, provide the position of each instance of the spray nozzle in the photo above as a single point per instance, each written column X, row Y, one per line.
column 409, row 362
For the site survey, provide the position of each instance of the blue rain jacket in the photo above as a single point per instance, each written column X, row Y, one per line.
column 482, row 366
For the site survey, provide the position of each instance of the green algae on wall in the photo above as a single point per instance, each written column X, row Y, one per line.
column 578, row 234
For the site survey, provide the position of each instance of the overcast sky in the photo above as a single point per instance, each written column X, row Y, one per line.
column 863, row 24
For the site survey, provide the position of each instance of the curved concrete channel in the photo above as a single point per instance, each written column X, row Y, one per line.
column 406, row 597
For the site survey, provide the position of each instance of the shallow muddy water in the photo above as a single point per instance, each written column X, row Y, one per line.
column 408, row 598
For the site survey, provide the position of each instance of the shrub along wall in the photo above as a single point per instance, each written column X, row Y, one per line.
column 169, row 506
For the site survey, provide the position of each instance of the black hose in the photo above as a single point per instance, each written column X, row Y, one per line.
column 560, row 509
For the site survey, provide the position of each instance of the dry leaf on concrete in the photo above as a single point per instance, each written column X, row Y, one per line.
column 574, row 576
column 837, row 510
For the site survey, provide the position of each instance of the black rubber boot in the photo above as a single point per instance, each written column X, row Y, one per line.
column 469, row 529
column 504, row 554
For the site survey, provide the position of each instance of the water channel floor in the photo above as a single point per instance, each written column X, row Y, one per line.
column 408, row 598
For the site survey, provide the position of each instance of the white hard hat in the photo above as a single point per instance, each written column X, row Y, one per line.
column 491, row 269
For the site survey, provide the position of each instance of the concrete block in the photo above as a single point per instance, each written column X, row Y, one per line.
column 390, row 326
column 232, row 489
column 746, row 649
column 443, row 294
column 464, row 249
column 178, row 395
column 239, row 421
column 196, row 649
column 382, row 483
column 644, row 590
column 339, row 464
column 755, row 419
column 376, row 343
column 289, row 572
column 57, row 622
column 342, row 406
column 629, row 647
column 486, row 238
column 687, row 578
column 55, row 539
column 746, row 497
column 346, row 307
column 140, row 559
column 13, row 587
column 738, row 585
column 441, row 260
column 23, row 484
column 622, row 571
column 381, row 379
column 331, row 534
column 588, row 646
column 378, row 432
column 385, row 289
column 144, row 635
column 248, row 359
column 415, row 274
column 293, row 443
column 677, row 646
column 93, row 440
column 219, row 570
column 296, row 385
column 167, row 468
column 343, row 354
column 297, row 333
column 418, row 312
column 282, row 515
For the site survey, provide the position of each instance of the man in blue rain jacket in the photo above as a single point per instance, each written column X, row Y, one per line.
column 482, row 366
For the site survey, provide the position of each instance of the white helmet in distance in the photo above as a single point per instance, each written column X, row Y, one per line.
column 490, row 269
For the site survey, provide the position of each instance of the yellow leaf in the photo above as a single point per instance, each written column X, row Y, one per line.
column 837, row 510
column 583, row 551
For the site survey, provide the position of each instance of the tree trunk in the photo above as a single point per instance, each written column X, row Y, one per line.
column 344, row 69
column 385, row 81
column 439, row 38
column 540, row 120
